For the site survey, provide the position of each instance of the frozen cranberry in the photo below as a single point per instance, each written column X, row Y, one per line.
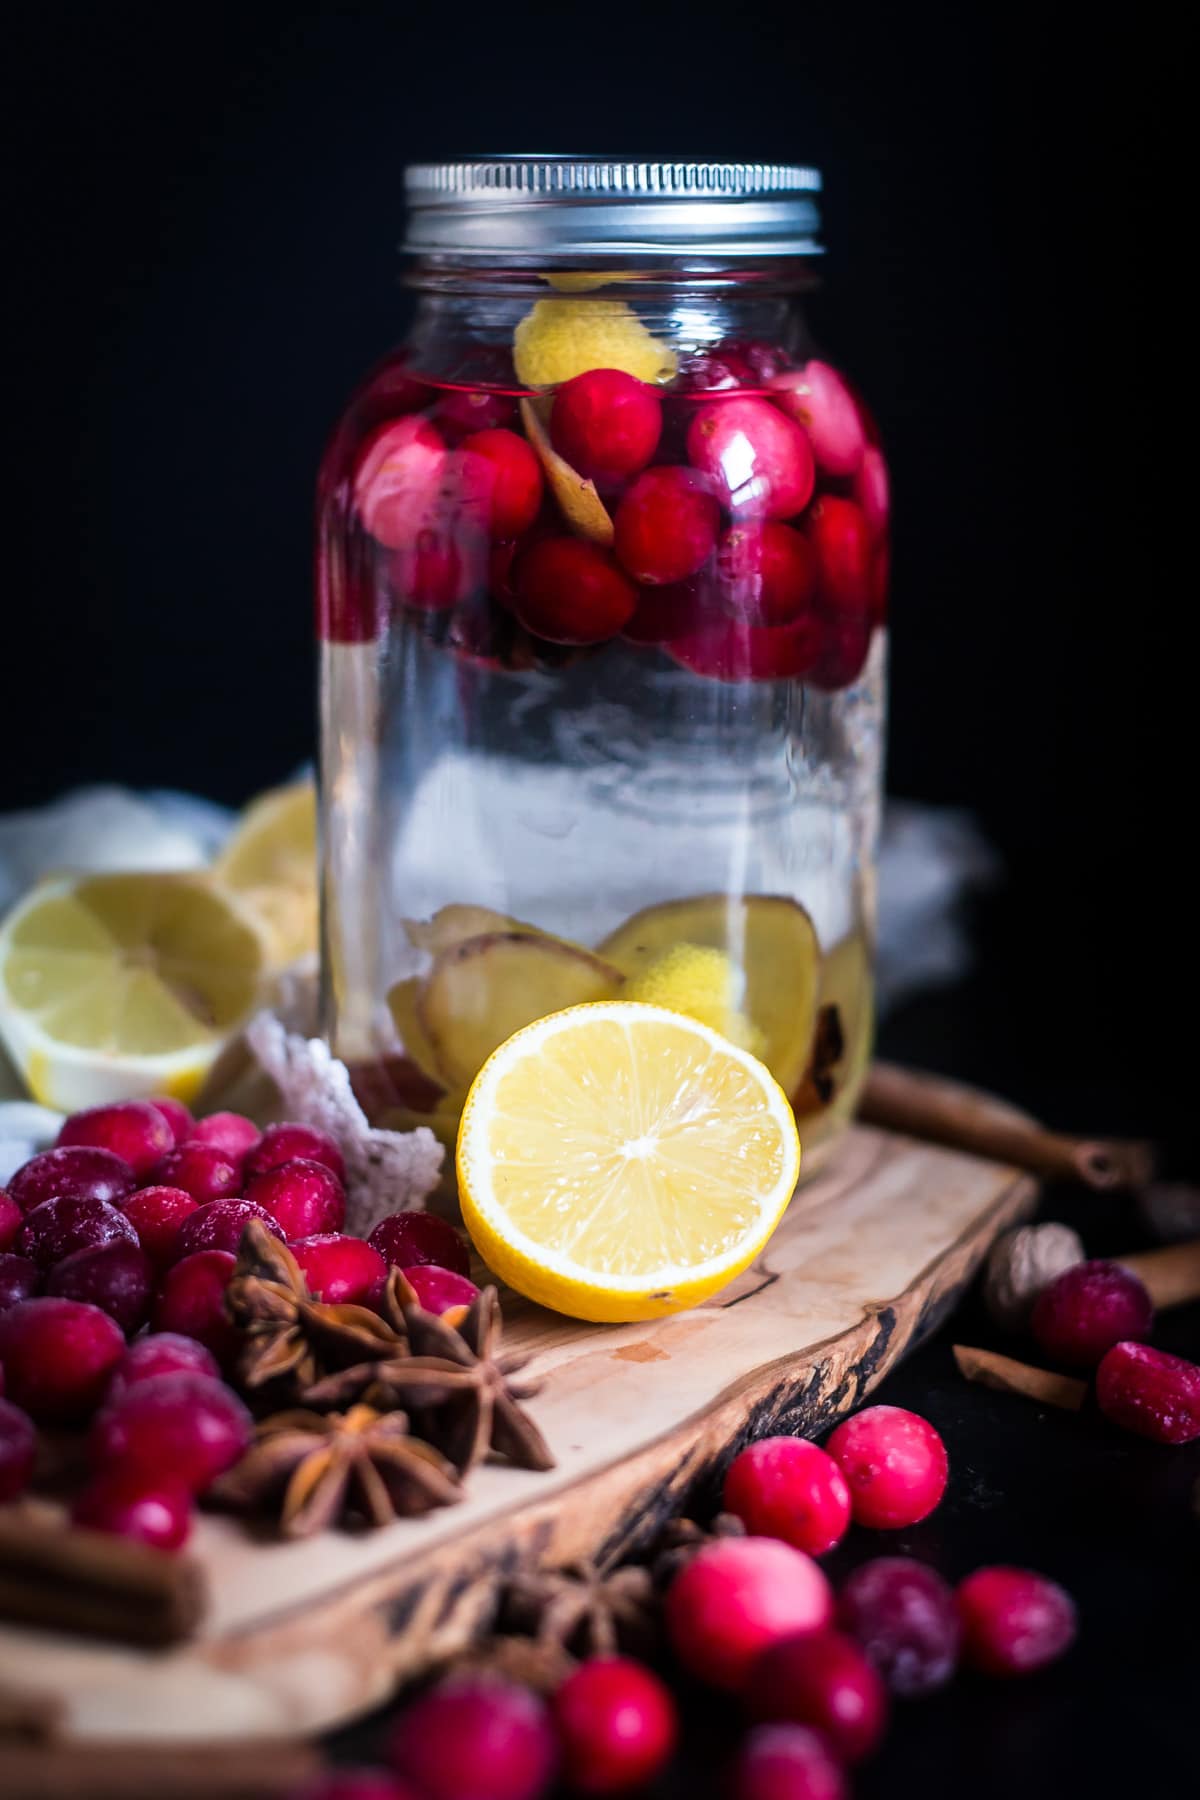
column 1014, row 1621
column 785, row 1487
column 204, row 1171
column 616, row 1725
column 761, row 464
column 191, row 1301
column 152, row 1510
column 842, row 656
column 700, row 371
column 118, row 1278
column 20, row 1279
column 219, row 1226
column 842, row 546
column 162, row 1353
column 817, row 398
column 399, row 473
column 134, row 1130
column 476, row 1739
column 666, row 526
column 1087, row 1309
column 786, row 1762
column 190, row 1424
column 290, row 1140
column 156, row 1213
column 354, row 1784
column 177, row 1115
column 57, row 1227
column 763, row 360
column 895, row 1466
column 663, row 613
column 461, row 411
column 18, row 1449
column 304, row 1197
column 441, row 1290
column 57, row 1356
column 514, row 482
column 768, row 572
column 10, row 1221
column 406, row 1238
column 343, row 1271
column 228, row 1131
column 903, row 1616
column 571, row 592
column 732, row 650
column 77, row 1173
column 735, row 1597
column 1150, row 1392
column 822, row 1679
column 872, row 491
column 606, row 424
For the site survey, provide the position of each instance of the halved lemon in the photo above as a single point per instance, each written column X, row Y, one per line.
column 270, row 863
column 619, row 1161
column 113, row 985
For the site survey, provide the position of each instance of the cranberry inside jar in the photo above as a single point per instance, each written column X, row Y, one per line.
column 602, row 556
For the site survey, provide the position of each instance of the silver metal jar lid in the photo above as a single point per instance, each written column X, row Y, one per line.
column 538, row 206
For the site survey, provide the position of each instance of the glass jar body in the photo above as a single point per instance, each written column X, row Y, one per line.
column 601, row 599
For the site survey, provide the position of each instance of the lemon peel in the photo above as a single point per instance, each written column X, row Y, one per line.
column 705, row 984
column 558, row 339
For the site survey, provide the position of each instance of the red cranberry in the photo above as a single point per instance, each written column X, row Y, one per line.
column 219, row 1226
column 664, row 613
column 844, row 644
column 156, row 1213
column 761, row 464
column 57, row 1227
column 10, row 1221
column 134, row 1130
column 817, row 398
column 162, row 1353
column 514, row 483
column 463, row 410
column 1087, row 1309
column 872, row 491
column 768, row 572
column 786, row 1762
column 763, row 360
column 823, row 1679
column 343, row 1271
column 151, row 1510
column 291, row 1140
column 842, row 546
column 1150, row 1392
column 228, row 1131
column 701, row 371
column 895, row 1466
column 617, row 1725
column 571, row 593
column 177, row 1115
column 666, row 526
column 20, row 1279
column 786, row 1488
column 204, row 1171
column 118, row 1278
column 305, row 1197
column 476, row 1739
column 606, row 424
column 193, row 1426
column 406, row 1238
column 734, row 1598
column 18, row 1451
column 75, row 1172
column 732, row 650
column 399, row 474
column 441, row 1290
column 57, row 1356
column 1014, row 1621
column 191, row 1301
column 354, row 1784
column 903, row 1616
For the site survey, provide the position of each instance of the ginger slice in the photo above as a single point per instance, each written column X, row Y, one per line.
column 577, row 498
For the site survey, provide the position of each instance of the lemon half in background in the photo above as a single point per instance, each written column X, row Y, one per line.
column 270, row 864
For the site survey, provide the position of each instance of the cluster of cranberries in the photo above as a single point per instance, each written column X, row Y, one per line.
column 133, row 1219
column 748, row 507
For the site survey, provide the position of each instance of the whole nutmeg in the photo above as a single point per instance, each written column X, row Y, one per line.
column 1021, row 1264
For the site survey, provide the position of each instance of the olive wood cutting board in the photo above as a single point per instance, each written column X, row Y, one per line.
column 298, row 1637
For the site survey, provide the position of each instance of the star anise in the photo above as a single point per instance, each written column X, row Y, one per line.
column 320, row 1468
column 285, row 1333
column 586, row 1608
column 829, row 1046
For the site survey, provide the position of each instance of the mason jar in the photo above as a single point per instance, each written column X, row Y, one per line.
column 601, row 591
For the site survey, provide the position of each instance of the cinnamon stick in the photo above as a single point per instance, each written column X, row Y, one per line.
column 943, row 1112
column 184, row 1771
column 992, row 1370
column 64, row 1578
column 1171, row 1276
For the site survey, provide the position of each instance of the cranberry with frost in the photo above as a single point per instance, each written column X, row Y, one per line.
column 342, row 1271
column 20, row 1279
column 162, row 1353
column 178, row 1116
column 736, row 1597
column 768, row 572
column 157, row 1512
column 404, row 1239
column 606, row 424
column 786, row 1762
column 895, row 1466
column 231, row 1132
column 191, row 1425
column 204, row 1171
column 817, row 398
column 220, row 1224
column 441, row 1291
column 303, row 1197
column 903, row 1616
column 76, row 1172
column 841, row 543
column 1150, row 1392
column 134, row 1130
column 760, row 463
column 10, row 1221
column 823, row 1680
column 399, row 474
column 617, row 1725
column 666, row 526
column 570, row 592
column 57, row 1356
column 732, row 650
column 18, row 1450
column 156, row 1213
column 476, row 1738
column 191, row 1301
column 1014, row 1621
column 57, row 1227
column 118, row 1278
column 1087, row 1309
column 787, row 1488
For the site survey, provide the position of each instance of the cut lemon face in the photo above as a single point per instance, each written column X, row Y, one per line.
column 117, row 985
column 270, row 863
column 618, row 1161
